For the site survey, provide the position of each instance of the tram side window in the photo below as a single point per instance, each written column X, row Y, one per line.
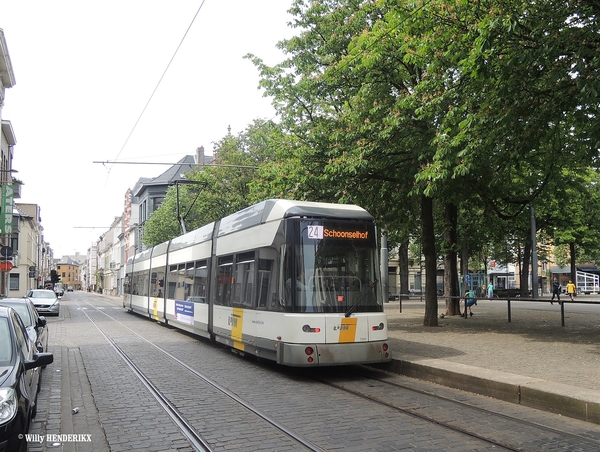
column 134, row 283
column 244, row 280
column 200, row 282
column 180, row 288
column 157, row 282
column 172, row 281
column 142, row 286
column 188, row 281
column 127, row 284
column 224, row 281
column 265, row 269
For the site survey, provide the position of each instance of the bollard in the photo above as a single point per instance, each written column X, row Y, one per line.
column 509, row 319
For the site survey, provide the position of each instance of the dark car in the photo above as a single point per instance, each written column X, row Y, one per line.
column 45, row 301
column 35, row 324
column 19, row 379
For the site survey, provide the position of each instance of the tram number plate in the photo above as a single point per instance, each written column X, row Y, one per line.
column 315, row 232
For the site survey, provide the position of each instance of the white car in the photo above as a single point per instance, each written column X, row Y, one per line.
column 45, row 301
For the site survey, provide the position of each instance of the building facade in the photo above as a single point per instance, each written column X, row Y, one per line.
column 7, row 143
column 69, row 273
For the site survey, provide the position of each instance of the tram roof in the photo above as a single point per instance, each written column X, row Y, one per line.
column 269, row 210
column 277, row 209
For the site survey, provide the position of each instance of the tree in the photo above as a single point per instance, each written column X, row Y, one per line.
column 224, row 188
column 348, row 105
column 573, row 215
column 409, row 108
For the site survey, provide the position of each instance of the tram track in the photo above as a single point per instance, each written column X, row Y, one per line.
column 187, row 427
column 440, row 410
column 593, row 443
column 361, row 391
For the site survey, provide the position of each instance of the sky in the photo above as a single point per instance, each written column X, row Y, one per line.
column 90, row 88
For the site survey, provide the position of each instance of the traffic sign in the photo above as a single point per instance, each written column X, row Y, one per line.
column 6, row 266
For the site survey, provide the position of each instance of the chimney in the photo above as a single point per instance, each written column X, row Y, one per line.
column 200, row 155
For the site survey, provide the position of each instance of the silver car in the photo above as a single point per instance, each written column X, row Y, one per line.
column 45, row 301
column 34, row 323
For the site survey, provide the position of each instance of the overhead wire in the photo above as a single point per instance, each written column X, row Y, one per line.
column 109, row 168
column 157, row 85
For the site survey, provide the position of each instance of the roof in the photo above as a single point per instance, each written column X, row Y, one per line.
column 67, row 261
column 8, row 132
column 139, row 184
column 7, row 76
column 594, row 269
column 174, row 173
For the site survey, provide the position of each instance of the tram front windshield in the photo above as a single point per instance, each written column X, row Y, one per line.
column 331, row 266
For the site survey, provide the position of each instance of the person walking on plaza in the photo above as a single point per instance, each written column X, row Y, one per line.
column 556, row 289
column 490, row 290
column 571, row 289
column 470, row 300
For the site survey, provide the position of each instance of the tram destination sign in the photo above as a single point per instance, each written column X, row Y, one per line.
column 323, row 232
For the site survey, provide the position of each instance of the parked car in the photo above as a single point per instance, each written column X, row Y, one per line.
column 36, row 325
column 45, row 301
column 59, row 288
column 69, row 288
column 19, row 380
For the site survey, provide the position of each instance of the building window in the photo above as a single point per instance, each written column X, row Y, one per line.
column 156, row 203
column 14, row 281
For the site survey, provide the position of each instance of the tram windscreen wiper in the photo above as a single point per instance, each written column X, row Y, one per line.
column 360, row 298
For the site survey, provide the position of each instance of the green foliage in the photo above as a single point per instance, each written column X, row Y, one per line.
column 162, row 225
column 225, row 187
column 490, row 106
column 475, row 104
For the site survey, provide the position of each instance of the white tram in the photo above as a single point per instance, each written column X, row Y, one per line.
column 294, row 282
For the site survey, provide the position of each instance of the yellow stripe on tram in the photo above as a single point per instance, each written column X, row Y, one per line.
column 237, row 322
column 348, row 331
column 155, row 308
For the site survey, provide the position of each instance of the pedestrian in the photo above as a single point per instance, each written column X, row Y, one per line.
column 490, row 290
column 571, row 289
column 470, row 300
column 556, row 289
column 481, row 291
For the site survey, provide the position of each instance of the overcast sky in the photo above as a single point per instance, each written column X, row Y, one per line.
column 85, row 71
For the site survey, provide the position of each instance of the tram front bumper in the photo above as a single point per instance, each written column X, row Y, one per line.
column 309, row 355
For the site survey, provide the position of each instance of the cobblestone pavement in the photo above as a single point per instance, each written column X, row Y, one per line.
column 531, row 360
column 531, row 351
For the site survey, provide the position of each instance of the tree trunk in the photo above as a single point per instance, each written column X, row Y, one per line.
column 403, row 264
column 524, row 286
column 450, row 267
column 573, row 268
column 428, row 240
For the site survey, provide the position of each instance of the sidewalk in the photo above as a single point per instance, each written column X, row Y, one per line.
column 532, row 360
